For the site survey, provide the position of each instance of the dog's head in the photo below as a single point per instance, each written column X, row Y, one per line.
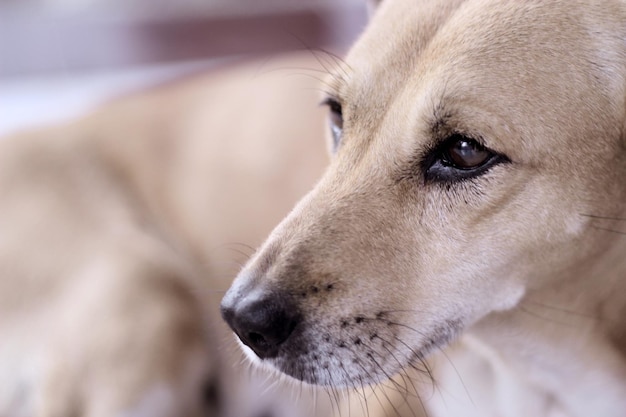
column 471, row 142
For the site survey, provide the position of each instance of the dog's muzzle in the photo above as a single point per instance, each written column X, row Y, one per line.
column 263, row 322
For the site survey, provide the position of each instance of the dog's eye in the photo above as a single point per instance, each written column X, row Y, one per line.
column 464, row 153
column 458, row 158
column 335, row 119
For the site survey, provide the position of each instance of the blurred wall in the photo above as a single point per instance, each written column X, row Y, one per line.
column 59, row 58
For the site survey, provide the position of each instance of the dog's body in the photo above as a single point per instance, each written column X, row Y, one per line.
column 110, row 226
column 120, row 232
column 477, row 187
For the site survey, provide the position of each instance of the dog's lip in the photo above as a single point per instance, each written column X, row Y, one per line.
column 441, row 336
column 307, row 358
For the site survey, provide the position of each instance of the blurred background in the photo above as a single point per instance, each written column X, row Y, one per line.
column 60, row 58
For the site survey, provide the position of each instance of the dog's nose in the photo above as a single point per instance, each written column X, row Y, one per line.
column 262, row 323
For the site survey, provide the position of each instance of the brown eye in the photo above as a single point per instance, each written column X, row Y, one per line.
column 465, row 153
column 459, row 158
column 335, row 119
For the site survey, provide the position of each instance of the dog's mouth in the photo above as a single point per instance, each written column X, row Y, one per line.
column 370, row 352
column 347, row 352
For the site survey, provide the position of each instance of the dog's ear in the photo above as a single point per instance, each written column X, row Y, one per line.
column 372, row 5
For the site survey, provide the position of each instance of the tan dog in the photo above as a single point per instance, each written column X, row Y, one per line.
column 120, row 232
column 477, row 187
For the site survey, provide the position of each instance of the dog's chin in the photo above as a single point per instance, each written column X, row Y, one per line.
column 332, row 362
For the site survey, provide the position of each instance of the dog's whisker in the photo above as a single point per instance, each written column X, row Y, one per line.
column 393, row 323
column 333, row 391
column 313, row 52
column 365, row 398
column 234, row 247
column 338, row 61
column 353, row 386
column 318, row 79
column 229, row 263
column 294, row 68
column 262, row 70
column 425, row 370
column 390, row 402
column 563, row 310
column 232, row 262
column 419, row 357
column 359, row 392
column 541, row 317
column 244, row 245
column 269, row 387
column 259, row 68
column 314, row 392
column 407, row 376
column 345, row 397
column 595, row 216
column 418, row 394
column 606, row 229
column 326, row 65
column 382, row 406
column 321, row 90
column 398, row 387
column 300, row 386
column 378, row 400
column 389, row 378
column 456, row 372
column 401, row 366
column 412, row 350
column 336, row 400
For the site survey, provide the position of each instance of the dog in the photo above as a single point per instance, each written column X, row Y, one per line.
column 121, row 231
column 473, row 212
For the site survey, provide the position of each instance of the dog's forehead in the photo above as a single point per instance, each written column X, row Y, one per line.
column 386, row 55
column 408, row 38
column 527, row 64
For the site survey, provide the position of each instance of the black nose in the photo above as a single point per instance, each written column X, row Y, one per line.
column 262, row 323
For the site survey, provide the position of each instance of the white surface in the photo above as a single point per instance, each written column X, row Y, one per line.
column 32, row 102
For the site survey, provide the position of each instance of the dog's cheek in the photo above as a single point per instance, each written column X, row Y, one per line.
column 466, row 254
column 508, row 229
column 546, row 230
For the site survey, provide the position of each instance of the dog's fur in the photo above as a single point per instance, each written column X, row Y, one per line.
column 119, row 234
column 385, row 261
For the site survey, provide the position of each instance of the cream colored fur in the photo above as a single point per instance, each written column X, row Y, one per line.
column 524, row 264
column 120, row 232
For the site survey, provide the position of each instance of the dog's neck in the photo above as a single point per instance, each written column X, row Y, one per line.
column 570, row 333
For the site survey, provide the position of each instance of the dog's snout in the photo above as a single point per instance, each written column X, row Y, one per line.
column 262, row 323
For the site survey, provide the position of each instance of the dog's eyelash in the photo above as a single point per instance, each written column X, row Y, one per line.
column 334, row 105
